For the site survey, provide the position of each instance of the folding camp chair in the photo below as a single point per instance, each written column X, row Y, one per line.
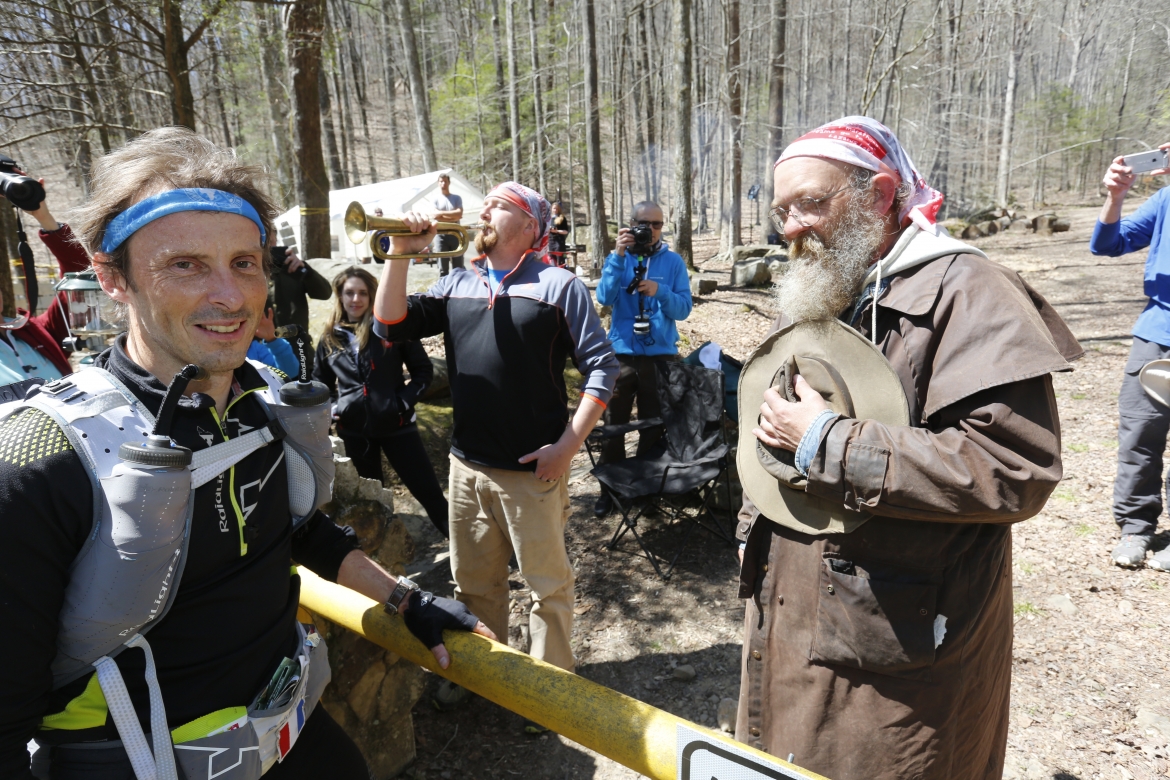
column 680, row 477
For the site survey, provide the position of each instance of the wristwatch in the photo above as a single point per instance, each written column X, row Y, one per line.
column 401, row 591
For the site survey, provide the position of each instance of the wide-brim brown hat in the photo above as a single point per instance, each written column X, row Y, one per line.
column 855, row 379
column 1155, row 380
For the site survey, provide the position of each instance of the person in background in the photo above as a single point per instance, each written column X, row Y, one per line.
column 662, row 297
column 448, row 208
column 373, row 401
column 1143, row 424
column 270, row 349
column 558, row 236
column 34, row 349
column 511, row 322
column 293, row 282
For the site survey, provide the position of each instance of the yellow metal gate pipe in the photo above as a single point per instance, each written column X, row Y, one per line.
column 631, row 732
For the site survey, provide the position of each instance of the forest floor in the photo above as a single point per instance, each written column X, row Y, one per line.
column 1091, row 664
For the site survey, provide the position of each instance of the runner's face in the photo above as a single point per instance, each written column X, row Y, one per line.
column 355, row 297
column 198, row 291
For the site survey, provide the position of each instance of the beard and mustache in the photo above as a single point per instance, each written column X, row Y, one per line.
column 825, row 270
column 486, row 240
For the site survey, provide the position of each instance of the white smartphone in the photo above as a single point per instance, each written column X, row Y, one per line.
column 1144, row 162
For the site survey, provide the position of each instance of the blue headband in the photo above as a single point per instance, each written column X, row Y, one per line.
column 146, row 211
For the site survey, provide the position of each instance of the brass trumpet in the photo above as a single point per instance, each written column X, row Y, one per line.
column 358, row 224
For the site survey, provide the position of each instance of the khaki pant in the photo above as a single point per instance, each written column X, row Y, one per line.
column 496, row 511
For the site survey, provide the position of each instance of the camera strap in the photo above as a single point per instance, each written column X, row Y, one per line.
column 31, row 289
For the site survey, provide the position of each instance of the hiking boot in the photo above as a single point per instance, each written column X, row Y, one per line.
column 603, row 506
column 1160, row 561
column 449, row 696
column 1130, row 553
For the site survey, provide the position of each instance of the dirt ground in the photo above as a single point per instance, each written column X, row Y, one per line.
column 1091, row 671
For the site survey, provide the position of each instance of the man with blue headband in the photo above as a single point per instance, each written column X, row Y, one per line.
column 151, row 512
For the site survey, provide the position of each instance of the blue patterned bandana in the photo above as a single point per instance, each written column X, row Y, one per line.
column 146, row 211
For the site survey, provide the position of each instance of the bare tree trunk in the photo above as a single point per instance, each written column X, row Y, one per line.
column 391, row 90
column 537, row 105
column 731, row 230
column 271, row 64
column 1018, row 34
column 357, row 72
column 217, row 88
column 114, row 71
column 683, row 162
column 8, row 251
column 304, row 25
column 776, row 50
column 599, row 228
column 336, row 169
column 418, row 90
column 175, row 50
column 513, row 77
column 501, row 89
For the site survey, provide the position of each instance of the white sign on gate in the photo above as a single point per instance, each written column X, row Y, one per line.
column 701, row 757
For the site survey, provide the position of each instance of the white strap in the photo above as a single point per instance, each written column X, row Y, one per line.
column 125, row 718
column 164, row 756
column 90, row 407
column 208, row 464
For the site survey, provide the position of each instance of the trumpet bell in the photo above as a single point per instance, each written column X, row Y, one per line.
column 355, row 222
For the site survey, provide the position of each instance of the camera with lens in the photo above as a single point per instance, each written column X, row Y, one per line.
column 22, row 191
column 280, row 258
column 643, row 240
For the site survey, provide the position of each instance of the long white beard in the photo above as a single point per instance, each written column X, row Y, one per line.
column 823, row 276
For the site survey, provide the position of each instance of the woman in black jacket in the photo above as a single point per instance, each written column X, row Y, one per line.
column 373, row 402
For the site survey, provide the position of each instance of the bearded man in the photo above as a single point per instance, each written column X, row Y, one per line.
column 881, row 648
column 510, row 322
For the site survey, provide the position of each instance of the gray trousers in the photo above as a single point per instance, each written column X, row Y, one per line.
column 1141, row 440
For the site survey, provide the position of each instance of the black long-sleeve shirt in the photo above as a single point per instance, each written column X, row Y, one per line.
column 372, row 397
column 234, row 613
column 506, row 353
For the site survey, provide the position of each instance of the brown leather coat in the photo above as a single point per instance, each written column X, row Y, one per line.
column 886, row 653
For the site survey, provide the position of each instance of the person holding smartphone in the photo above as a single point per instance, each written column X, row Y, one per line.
column 1143, row 424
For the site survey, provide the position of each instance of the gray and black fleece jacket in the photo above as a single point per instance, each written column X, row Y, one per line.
column 506, row 355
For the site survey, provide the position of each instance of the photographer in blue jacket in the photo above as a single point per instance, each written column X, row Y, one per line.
column 647, row 287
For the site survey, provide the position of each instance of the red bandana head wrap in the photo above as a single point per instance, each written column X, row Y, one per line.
column 531, row 203
column 868, row 144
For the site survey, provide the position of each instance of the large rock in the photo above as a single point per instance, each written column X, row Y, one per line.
column 703, row 286
column 749, row 251
column 373, row 690
column 750, row 273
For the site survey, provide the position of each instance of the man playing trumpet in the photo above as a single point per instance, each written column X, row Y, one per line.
column 510, row 324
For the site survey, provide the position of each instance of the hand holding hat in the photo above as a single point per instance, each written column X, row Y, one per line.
column 783, row 423
column 798, row 372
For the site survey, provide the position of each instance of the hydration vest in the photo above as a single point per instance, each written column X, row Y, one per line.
column 125, row 576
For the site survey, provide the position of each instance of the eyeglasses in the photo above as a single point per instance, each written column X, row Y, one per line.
column 647, row 223
column 806, row 211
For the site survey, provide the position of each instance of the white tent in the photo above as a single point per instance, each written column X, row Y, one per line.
column 414, row 193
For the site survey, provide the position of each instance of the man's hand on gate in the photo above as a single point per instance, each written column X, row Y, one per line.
column 783, row 423
column 427, row 615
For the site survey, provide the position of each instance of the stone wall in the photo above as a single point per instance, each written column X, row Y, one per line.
column 373, row 690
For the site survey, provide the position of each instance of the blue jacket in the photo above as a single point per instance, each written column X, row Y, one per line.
column 670, row 304
column 276, row 353
column 1146, row 227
